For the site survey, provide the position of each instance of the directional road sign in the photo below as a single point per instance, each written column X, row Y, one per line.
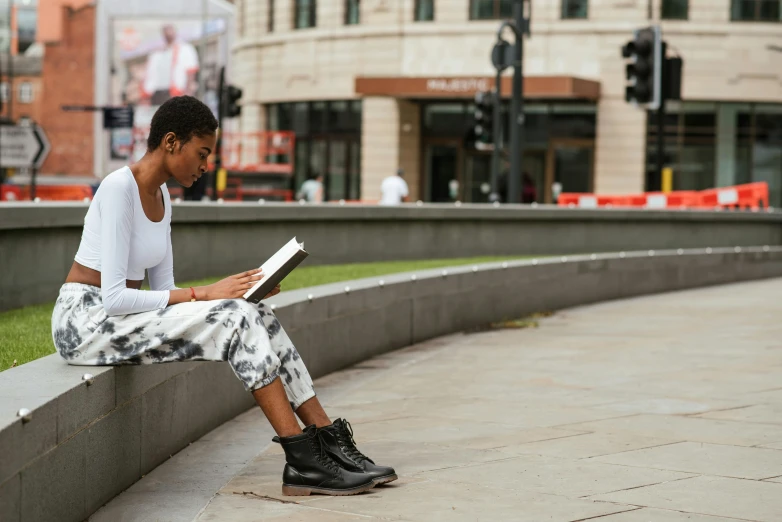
column 23, row 146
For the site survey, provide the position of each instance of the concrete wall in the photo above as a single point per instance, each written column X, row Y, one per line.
column 38, row 242
column 85, row 444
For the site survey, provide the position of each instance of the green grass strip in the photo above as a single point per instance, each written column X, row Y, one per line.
column 25, row 334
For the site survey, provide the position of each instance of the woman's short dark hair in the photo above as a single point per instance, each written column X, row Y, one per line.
column 185, row 116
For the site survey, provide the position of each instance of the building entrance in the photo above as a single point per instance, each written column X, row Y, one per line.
column 559, row 152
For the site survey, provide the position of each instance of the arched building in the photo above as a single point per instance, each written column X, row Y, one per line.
column 372, row 85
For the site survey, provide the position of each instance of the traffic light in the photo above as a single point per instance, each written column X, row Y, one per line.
column 483, row 123
column 645, row 71
column 232, row 96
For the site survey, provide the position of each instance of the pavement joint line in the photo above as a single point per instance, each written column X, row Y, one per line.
column 769, row 478
column 251, row 494
column 697, row 473
column 633, row 508
column 672, row 511
column 692, row 476
column 546, row 440
column 636, row 449
column 596, row 420
column 719, row 410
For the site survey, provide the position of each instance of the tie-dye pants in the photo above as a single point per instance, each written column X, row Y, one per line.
column 249, row 337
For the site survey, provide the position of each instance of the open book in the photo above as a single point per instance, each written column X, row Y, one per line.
column 277, row 268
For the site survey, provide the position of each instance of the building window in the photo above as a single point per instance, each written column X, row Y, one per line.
column 4, row 91
column 352, row 15
column 304, row 14
column 755, row 10
column 270, row 17
column 26, row 21
column 25, row 92
column 352, row 12
column 573, row 9
column 328, row 143
column 675, row 10
column 491, row 9
column 758, row 147
column 690, row 134
column 424, row 10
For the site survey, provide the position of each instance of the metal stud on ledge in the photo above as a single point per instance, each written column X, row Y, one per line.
column 680, row 251
column 274, row 307
column 88, row 378
column 766, row 248
column 25, row 414
column 622, row 255
column 593, row 257
column 534, row 261
column 496, row 204
column 310, row 297
column 341, row 202
column 651, row 253
column 445, row 273
column 504, row 265
column 347, row 289
column 381, row 283
column 457, row 203
column 474, row 269
column 708, row 250
column 413, row 277
column 419, row 203
column 564, row 259
column 737, row 249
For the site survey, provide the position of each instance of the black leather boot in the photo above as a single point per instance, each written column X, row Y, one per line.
column 309, row 469
column 338, row 442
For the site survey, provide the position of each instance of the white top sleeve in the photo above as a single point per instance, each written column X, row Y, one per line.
column 116, row 214
column 405, row 190
column 161, row 277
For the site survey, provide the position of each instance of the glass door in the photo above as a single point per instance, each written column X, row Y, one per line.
column 442, row 172
column 570, row 165
column 336, row 178
column 477, row 180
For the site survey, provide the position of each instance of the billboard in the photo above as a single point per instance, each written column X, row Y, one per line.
column 156, row 58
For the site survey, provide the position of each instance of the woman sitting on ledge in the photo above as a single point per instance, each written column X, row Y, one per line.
column 102, row 317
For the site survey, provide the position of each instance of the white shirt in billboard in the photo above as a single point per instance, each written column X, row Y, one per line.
column 393, row 189
column 168, row 70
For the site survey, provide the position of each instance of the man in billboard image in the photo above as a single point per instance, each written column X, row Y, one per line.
column 171, row 71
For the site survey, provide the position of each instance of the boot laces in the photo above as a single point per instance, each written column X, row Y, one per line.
column 322, row 457
column 348, row 444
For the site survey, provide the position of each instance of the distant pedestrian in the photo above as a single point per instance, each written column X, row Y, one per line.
column 312, row 189
column 394, row 189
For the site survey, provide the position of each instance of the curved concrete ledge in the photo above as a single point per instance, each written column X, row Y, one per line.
column 38, row 241
column 86, row 443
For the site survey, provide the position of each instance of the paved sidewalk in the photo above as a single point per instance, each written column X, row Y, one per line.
column 666, row 408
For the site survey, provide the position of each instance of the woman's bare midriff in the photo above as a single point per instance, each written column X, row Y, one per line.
column 87, row 276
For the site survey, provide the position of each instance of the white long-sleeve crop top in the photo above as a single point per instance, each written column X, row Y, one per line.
column 121, row 242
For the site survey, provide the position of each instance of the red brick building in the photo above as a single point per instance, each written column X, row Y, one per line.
column 68, row 78
column 23, row 97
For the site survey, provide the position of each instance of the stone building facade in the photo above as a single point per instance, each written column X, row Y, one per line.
column 373, row 85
